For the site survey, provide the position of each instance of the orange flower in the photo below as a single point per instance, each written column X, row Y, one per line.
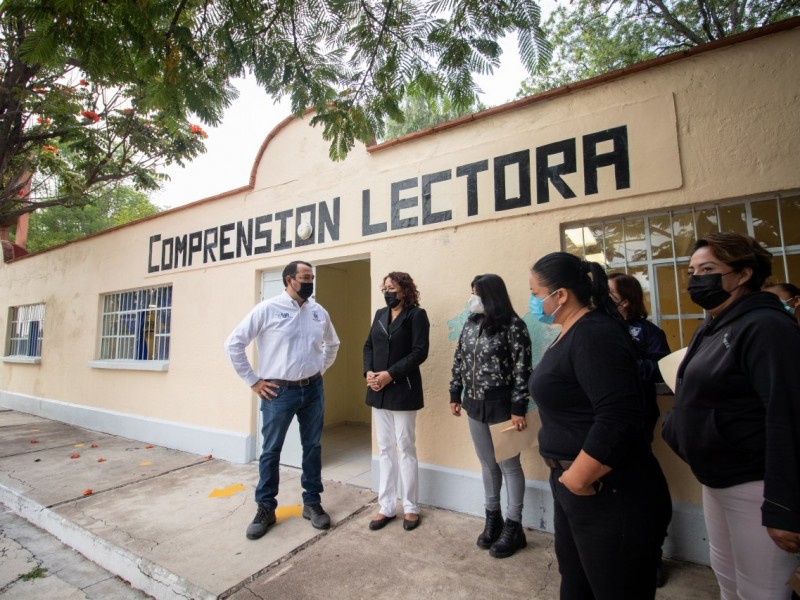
column 90, row 114
column 197, row 130
column 52, row 149
column 88, row 492
column 149, row 446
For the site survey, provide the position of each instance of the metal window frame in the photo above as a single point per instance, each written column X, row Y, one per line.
column 135, row 325
column 677, row 261
column 20, row 325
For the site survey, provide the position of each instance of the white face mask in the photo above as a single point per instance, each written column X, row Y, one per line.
column 475, row 304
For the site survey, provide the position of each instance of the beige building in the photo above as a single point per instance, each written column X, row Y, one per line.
column 123, row 332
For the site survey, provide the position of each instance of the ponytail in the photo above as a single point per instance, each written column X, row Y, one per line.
column 601, row 298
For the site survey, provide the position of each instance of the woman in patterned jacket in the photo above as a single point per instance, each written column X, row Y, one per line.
column 491, row 367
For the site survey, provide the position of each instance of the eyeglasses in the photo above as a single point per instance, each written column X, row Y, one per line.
column 384, row 290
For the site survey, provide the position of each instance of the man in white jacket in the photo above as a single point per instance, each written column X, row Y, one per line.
column 296, row 344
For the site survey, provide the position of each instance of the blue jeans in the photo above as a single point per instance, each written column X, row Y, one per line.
column 308, row 404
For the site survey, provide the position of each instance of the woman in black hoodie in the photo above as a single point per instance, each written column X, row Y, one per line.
column 736, row 418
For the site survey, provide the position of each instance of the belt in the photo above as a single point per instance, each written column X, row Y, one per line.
column 295, row 384
column 558, row 464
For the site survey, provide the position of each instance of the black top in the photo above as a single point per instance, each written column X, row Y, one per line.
column 589, row 397
column 490, row 371
column 651, row 344
column 736, row 416
column 399, row 347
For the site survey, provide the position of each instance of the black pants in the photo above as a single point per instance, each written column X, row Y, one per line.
column 608, row 545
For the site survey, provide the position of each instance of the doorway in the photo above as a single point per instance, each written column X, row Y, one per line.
column 343, row 289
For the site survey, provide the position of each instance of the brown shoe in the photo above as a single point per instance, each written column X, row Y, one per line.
column 411, row 521
column 380, row 522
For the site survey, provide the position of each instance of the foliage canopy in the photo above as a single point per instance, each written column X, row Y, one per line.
column 592, row 37
column 97, row 92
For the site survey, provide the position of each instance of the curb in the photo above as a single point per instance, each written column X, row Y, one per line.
column 145, row 575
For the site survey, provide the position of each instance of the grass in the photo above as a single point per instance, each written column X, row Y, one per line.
column 36, row 573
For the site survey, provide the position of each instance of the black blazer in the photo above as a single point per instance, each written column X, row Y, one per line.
column 399, row 347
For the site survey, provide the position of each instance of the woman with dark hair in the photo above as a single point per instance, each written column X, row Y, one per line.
column 789, row 295
column 736, row 418
column 395, row 348
column 610, row 498
column 649, row 339
column 491, row 367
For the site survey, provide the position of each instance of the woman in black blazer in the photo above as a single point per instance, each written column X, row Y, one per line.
column 396, row 346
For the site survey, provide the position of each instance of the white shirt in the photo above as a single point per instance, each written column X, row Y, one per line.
column 294, row 341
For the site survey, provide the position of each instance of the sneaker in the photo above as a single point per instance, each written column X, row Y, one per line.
column 319, row 518
column 264, row 518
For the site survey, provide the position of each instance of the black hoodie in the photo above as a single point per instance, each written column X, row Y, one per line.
column 736, row 414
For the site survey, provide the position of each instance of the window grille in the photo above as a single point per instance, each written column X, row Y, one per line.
column 136, row 324
column 26, row 330
column 655, row 249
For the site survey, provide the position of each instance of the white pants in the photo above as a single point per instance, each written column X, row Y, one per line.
column 396, row 433
column 747, row 563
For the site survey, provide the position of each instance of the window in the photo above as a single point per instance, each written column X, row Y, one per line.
column 26, row 329
column 136, row 325
column 655, row 249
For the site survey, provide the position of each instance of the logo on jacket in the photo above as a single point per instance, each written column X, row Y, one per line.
column 284, row 315
column 725, row 341
column 315, row 315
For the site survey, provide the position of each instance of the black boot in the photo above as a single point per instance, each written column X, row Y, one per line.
column 511, row 540
column 492, row 529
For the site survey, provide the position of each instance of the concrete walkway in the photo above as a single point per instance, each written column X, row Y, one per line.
column 172, row 524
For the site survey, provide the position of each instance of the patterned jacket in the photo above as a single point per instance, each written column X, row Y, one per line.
column 490, row 373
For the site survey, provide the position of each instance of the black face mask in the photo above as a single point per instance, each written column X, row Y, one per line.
column 306, row 289
column 391, row 299
column 706, row 290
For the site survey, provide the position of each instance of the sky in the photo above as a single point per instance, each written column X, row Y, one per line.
column 231, row 148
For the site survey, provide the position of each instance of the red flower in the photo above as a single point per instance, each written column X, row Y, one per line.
column 197, row 130
column 52, row 149
column 94, row 446
column 32, row 441
column 101, row 460
column 88, row 492
column 83, row 82
column 75, row 456
column 90, row 114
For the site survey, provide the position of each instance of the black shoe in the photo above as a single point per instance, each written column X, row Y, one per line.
column 376, row 524
column 409, row 524
column 511, row 540
column 264, row 518
column 319, row 518
column 491, row 530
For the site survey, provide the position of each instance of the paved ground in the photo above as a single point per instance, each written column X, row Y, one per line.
column 172, row 524
column 34, row 564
